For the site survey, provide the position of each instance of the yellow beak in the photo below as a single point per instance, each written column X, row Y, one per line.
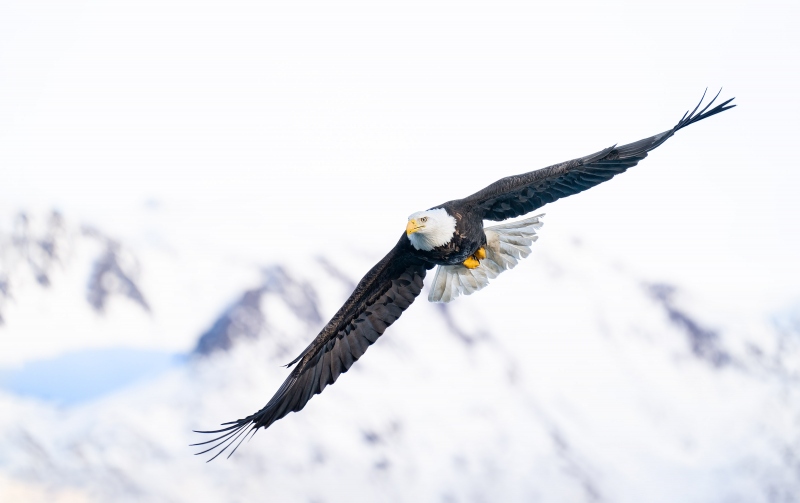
column 412, row 227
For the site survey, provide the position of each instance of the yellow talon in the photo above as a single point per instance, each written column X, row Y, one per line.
column 471, row 263
column 480, row 253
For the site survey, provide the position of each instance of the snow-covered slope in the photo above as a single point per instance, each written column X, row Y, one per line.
column 570, row 378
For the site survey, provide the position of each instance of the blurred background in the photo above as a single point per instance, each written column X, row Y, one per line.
column 189, row 190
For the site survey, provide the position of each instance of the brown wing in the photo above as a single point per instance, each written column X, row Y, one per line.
column 378, row 300
column 516, row 195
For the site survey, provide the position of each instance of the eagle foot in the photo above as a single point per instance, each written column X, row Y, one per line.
column 471, row 263
column 475, row 259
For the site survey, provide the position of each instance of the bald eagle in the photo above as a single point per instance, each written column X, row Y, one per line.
column 451, row 236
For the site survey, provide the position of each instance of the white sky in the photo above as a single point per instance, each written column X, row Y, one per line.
column 258, row 127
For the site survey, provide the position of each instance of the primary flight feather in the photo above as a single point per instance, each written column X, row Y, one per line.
column 452, row 237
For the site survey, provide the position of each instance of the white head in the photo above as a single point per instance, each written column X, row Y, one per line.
column 430, row 228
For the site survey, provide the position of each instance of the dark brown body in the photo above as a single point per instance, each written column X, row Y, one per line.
column 468, row 237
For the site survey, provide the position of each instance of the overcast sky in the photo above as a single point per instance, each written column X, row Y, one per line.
column 257, row 127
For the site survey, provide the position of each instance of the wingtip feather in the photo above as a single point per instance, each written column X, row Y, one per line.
column 695, row 116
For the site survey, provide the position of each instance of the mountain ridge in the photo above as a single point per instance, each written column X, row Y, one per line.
column 569, row 379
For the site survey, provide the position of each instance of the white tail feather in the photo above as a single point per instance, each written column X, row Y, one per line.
column 506, row 245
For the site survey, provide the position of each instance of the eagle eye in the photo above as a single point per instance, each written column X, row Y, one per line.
column 423, row 219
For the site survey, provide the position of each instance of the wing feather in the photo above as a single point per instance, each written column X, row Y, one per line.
column 377, row 302
column 516, row 195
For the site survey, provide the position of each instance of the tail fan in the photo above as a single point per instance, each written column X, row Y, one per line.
column 506, row 245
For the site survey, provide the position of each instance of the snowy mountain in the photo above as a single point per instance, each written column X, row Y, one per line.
column 571, row 378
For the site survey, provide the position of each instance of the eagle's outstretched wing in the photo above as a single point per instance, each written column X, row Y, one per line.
column 516, row 195
column 378, row 300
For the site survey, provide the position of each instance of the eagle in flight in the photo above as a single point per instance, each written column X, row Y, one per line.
column 451, row 236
